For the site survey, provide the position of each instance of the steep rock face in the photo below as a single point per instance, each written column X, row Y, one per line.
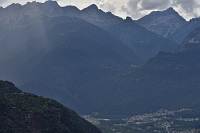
column 98, row 17
column 145, row 44
column 180, row 35
column 164, row 23
column 23, row 112
column 193, row 39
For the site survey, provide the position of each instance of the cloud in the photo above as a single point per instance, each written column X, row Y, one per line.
column 154, row 4
column 79, row 3
column 2, row 2
column 138, row 8
column 189, row 8
column 133, row 8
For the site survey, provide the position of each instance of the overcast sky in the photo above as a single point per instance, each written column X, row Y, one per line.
column 133, row 8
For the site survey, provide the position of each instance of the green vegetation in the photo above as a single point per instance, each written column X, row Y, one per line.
column 26, row 113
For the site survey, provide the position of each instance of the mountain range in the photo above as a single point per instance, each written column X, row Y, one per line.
column 94, row 61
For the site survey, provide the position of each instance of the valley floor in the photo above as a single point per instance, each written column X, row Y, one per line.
column 162, row 121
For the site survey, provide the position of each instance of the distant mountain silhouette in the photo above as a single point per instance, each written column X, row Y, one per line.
column 164, row 23
column 22, row 112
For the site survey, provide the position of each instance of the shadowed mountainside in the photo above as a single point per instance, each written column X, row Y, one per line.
column 23, row 112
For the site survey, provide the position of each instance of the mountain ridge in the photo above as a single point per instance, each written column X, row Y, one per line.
column 164, row 23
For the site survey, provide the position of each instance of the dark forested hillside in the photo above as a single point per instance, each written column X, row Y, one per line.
column 27, row 113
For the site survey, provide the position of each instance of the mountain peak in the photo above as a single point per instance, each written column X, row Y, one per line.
column 92, row 7
column 171, row 10
column 52, row 3
column 164, row 23
column 195, row 19
column 8, row 87
column 167, row 12
column 49, row 3
column 128, row 20
column 32, row 4
column 14, row 6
